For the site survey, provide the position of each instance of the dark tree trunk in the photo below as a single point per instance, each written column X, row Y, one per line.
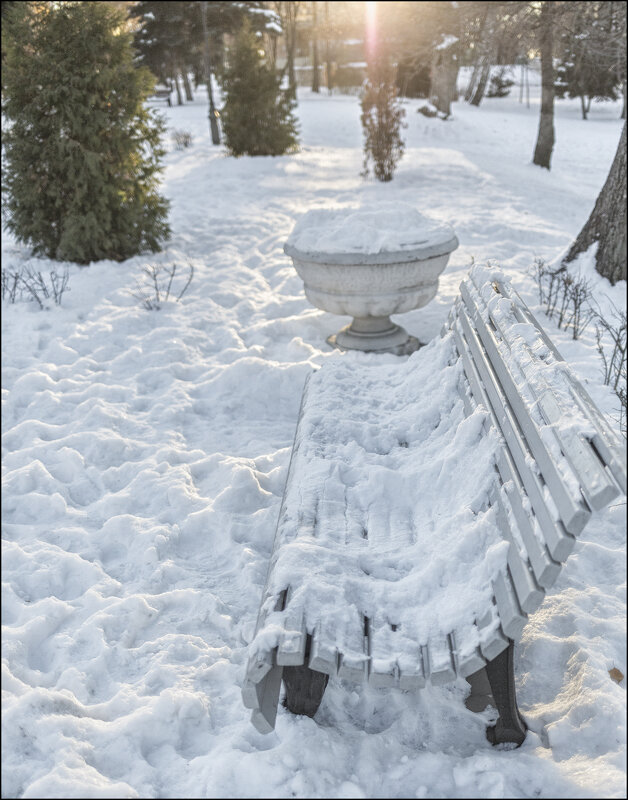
column 583, row 106
column 186, row 85
column 315, row 78
column 472, row 82
column 444, row 80
column 607, row 222
column 545, row 139
column 478, row 94
column 177, row 88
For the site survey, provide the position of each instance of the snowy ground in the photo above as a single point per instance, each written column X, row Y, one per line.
column 145, row 454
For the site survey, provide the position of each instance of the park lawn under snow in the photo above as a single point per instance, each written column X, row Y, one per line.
column 145, row 455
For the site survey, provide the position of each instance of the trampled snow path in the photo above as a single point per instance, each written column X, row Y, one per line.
column 144, row 458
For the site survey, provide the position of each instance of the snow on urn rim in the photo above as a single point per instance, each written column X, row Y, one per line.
column 384, row 233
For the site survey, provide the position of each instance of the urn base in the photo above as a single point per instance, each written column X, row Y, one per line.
column 375, row 335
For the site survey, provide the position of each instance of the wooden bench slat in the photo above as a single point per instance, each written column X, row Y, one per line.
column 599, row 488
column 263, row 717
column 609, row 446
column 512, row 618
column 353, row 657
column 384, row 643
column 323, row 652
column 291, row 647
column 545, row 569
column 411, row 670
column 529, row 594
column 441, row 660
column 559, row 542
column 492, row 638
column 466, row 649
column 573, row 512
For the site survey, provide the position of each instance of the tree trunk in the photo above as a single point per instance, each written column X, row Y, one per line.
column 177, row 87
column 583, row 106
column 623, row 110
column 186, row 85
column 315, row 78
column 473, row 80
column 546, row 138
column 213, row 117
column 444, row 80
column 607, row 222
column 327, row 49
column 478, row 94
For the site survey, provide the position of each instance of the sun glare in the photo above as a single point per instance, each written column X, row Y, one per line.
column 371, row 21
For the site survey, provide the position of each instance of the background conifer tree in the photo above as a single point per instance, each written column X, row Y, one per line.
column 257, row 117
column 382, row 117
column 81, row 151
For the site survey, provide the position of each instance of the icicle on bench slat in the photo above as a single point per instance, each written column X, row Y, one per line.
column 555, row 462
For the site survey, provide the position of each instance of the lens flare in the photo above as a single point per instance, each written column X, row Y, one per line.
column 371, row 24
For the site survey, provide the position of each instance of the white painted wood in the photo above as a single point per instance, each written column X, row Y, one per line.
column 512, row 618
column 599, row 488
column 264, row 716
column 384, row 643
column 411, row 670
column 545, row 569
column 354, row 659
column 611, row 449
column 291, row 647
column 441, row 661
column 323, row 652
column 529, row 593
column 573, row 512
column 560, row 543
column 465, row 644
column 492, row 638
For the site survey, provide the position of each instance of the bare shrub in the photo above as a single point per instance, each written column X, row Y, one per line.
column 565, row 297
column 157, row 285
column 31, row 283
column 610, row 335
column 181, row 139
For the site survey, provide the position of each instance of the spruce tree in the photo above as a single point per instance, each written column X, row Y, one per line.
column 381, row 117
column 81, row 151
column 257, row 117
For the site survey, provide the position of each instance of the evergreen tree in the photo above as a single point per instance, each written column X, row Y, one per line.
column 81, row 152
column 257, row 117
column 381, row 118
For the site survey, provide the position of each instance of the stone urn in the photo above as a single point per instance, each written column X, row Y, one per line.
column 369, row 263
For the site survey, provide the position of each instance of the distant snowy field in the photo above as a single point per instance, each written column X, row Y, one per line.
column 144, row 459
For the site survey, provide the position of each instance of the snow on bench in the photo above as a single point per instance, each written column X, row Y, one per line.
column 429, row 506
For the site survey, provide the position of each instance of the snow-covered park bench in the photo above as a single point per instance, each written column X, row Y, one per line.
column 429, row 506
column 162, row 92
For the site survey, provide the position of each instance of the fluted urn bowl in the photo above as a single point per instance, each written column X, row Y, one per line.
column 369, row 263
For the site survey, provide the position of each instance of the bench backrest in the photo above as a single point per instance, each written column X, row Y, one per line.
column 560, row 458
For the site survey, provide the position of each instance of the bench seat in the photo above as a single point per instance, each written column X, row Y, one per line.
column 429, row 505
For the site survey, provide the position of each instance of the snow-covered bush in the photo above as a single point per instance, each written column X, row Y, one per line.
column 81, row 151
column 501, row 83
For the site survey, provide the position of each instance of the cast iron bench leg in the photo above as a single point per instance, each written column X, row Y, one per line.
column 510, row 726
column 304, row 687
